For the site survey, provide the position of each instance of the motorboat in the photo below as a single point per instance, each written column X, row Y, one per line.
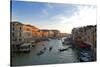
column 26, row 47
column 61, row 50
column 40, row 53
column 85, row 56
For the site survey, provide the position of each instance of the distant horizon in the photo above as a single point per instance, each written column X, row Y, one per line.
column 63, row 17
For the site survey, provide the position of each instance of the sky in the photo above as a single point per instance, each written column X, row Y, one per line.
column 63, row 17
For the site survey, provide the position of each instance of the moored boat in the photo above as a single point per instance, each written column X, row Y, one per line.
column 26, row 47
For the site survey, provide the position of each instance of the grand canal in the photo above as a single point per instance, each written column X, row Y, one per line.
column 48, row 57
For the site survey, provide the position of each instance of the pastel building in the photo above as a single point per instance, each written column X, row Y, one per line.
column 16, row 34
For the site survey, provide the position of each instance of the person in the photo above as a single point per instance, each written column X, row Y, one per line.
column 50, row 48
column 44, row 48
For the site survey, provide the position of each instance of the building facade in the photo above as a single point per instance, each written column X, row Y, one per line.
column 87, row 35
column 16, row 34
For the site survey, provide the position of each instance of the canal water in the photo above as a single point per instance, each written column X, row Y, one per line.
column 48, row 57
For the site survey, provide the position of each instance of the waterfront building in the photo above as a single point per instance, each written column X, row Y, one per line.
column 45, row 33
column 86, row 34
column 55, row 33
column 27, row 33
column 16, row 35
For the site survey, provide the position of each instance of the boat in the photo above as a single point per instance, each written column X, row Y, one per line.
column 44, row 48
column 33, row 43
column 26, row 47
column 85, row 57
column 40, row 53
column 70, row 46
column 63, row 49
column 65, row 42
column 84, row 45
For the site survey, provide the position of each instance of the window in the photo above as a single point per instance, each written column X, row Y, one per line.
column 15, row 39
column 19, row 39
column 20, row 28
column 20, row 34
column 12, row 34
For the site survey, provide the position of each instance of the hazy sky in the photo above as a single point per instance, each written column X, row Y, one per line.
column 63, row 17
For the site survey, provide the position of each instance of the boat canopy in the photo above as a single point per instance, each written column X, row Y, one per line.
column 84, row 45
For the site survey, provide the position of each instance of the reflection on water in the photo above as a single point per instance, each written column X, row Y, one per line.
column 48, row 57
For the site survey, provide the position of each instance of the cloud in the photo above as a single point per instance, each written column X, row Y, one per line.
column 86, row 15
column 49, row 5
column 45, row 11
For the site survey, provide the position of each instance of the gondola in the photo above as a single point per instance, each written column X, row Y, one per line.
column 61, row 50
